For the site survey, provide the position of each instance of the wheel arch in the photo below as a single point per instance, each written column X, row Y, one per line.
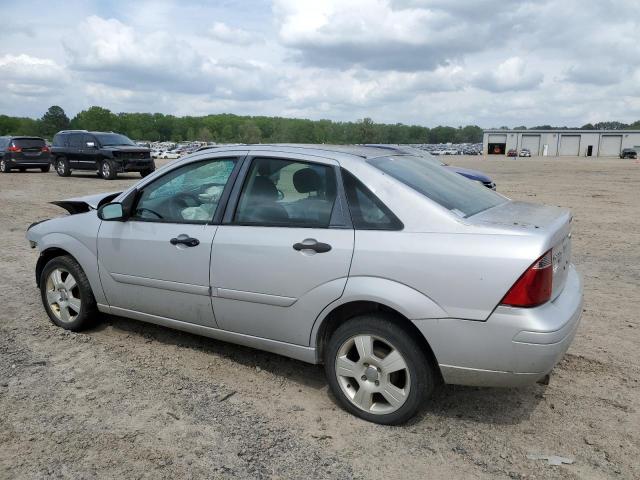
column 345, row 311
column 57, row 244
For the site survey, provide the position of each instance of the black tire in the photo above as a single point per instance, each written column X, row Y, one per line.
column 147, row 172
column 45, row 169
column 108, row 170
column 62, row 167
column 4, row 166
column 421, row 372
column 88, row 310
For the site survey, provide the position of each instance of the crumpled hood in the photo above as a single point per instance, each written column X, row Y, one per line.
column 472, row 174
column 86, row 203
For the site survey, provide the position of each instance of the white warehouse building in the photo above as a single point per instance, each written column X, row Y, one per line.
column 561, row 143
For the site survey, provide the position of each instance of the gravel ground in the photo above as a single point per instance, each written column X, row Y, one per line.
column 129, row 400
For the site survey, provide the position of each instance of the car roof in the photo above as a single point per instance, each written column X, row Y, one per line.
column 330, row 151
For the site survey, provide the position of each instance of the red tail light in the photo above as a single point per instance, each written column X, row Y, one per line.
column 14, row 149
column 534, row 287
column 45, row 149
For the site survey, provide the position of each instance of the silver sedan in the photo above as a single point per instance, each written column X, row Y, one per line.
column 393, row 272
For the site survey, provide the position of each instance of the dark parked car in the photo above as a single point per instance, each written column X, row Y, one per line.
column 22, row 153
column 512, row 153
column 628, row 153
column 107, row 153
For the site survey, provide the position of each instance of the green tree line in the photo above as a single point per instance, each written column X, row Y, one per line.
column 229, row 128
column 235, row 128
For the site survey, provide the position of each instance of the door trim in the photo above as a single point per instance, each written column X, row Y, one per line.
column 243, row 296
column 161, row 284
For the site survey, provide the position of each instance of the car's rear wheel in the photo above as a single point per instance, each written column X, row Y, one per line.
column 45, row 169
column 66, row 294
column 377, row 371
column 4, row 166
column 108, row 170
column 62, row 167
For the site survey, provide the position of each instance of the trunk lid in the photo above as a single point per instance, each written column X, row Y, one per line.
column 553, row 224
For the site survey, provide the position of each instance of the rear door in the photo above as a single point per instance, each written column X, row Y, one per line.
column 157, row 262
column 284, row 250
column 74, row 149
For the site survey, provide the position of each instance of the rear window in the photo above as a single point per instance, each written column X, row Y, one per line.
column 454, row 192
column 28, row 142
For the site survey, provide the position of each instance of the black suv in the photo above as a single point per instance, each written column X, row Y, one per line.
column 107, row 153
column 628, row 153
column 24, row 152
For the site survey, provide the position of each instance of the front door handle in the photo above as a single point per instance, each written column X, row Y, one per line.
column 185, row 240
column 312, row 244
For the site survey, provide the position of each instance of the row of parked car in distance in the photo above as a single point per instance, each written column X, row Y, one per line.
column 106, row 153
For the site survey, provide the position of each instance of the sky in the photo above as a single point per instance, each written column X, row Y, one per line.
column 425, row 62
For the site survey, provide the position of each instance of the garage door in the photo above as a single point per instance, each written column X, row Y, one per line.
column 531, row 143
column 498, row 138
column 570, row 145
column 610, row 145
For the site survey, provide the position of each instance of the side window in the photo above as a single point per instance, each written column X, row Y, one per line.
column 367, row 211
column 75, row 140
column 88, row 138
column 4, row 141
column 287, row 193
column 188, row 194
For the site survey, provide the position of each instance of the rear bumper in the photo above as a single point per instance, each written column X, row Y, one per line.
column 513, row 347
column 28, row 162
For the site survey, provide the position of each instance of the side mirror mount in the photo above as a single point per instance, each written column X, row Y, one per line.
column 91, row 145
column 111, row 212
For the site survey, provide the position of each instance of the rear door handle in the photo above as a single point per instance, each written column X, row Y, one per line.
column 185, row 240
column 312, row 244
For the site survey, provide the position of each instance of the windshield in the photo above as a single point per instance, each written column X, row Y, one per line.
column 454, row 192
column 109, row 139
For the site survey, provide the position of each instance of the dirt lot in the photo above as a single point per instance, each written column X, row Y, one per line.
column 129, row 400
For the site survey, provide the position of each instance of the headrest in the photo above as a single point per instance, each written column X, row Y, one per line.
column 307, row 180
column 264, row 189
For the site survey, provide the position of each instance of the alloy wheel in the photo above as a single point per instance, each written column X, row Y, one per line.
column 3, row 166
column 60, row 167
column 372, row 374
column 106, row 170
column 63, row 295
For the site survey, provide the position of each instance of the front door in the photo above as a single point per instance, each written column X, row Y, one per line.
column 282, row 256
column 157, row 262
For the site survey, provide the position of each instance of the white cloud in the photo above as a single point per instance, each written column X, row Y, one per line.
column 222, row 32
column 413, row 61
column 512, row 74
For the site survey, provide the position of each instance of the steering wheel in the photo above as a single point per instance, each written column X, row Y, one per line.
column 144, row 209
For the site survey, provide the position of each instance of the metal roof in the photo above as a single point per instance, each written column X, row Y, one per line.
column 560, row 130
column 355, row 150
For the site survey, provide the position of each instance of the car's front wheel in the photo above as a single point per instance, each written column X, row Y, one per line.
column 108, row 170
column 377, row 370
column 66, row 294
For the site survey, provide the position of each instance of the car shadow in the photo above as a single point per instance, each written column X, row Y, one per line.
column 483, row 405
